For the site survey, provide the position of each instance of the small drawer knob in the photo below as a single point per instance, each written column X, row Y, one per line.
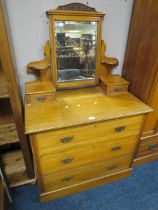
column 67, row 160
column 66, row 139
column 68, row 178
column 153, row 146
column 118, row 89
column 41, row 98
column 116, row 148
column 120, row 129
column 111, row 167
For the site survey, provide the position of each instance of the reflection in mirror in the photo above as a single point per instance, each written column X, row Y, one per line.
column 75, row 50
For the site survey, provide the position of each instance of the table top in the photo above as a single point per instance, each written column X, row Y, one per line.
column 79, row 107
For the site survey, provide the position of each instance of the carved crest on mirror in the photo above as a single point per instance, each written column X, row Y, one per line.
column 77, row 7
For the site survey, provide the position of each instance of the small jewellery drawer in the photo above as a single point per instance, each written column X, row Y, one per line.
column 40, row 98
column 117, row 89
column 52, row 141
column 148, row 145
column 81, row 174
column 85, row 155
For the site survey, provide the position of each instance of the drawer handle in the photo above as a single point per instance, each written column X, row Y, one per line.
column 67, row 160
column 68, row 178
column 116, row 148
column 41, row 98
column 120, row 129
column 66, row 139
column 113, row 166
column 118, row 89
column 153, row 146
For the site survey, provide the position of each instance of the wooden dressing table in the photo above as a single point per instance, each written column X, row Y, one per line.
column 82, row 122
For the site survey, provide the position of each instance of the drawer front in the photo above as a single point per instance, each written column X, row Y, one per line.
column 81, row 174
column 117, row 89
column 39, row 98
column 90, row 154
column 148, row 145
column 54, row 141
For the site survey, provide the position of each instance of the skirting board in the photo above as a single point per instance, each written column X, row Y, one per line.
column 84, row 185
column 145, row 159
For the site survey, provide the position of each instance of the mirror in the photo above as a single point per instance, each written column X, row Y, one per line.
column 75, row 50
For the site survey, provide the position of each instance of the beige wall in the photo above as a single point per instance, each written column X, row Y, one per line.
column 29, row 28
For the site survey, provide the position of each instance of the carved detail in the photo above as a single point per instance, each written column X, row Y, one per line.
column 110, row 83
column 105, row 59
column 77, row 7
column 41, row 68
column 107, row 63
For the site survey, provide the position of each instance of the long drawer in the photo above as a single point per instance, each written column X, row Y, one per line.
column 148, row 145
column 85, row 155
column 54, row 141
column 81, row 174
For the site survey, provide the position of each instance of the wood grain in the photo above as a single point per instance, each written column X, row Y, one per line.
column 85, row 185
column 6, row 116
column 8, row 66
column 108, row 82
column 145, row 159
column 4, row 202
column 77, row 175
column 51, row 163
column 140, row 67
column 148, row 145
column 3, row 85
column 69, row 109
column 75, row 13
column 36, row 92
column 15, row 169
column 40, row 98
column 8, row 134
column 83, row 138
column 141, row 63
column 151, row 121
column 13, row 161
column 42, row 68
column 52, row 141
column 38, row 87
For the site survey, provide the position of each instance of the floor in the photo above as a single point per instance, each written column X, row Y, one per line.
column 138, row 192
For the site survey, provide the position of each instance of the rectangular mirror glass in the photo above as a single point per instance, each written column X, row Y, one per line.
column 75, row 50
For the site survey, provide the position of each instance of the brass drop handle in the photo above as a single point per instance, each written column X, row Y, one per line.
column 41, row 98
column 67, row 178
column 113, row 166
column 116, row 148
column 67, row 160
column 66, row 139
column 153, row 146
column 118, row 89
column 120, row 129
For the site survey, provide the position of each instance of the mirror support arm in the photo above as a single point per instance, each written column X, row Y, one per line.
column 107, row 80
column 107, row 63
column 41, row 69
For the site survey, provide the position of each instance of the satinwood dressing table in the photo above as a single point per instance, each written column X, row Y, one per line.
column 82, row 122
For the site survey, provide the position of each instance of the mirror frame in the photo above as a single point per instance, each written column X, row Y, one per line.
column 74, row 15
